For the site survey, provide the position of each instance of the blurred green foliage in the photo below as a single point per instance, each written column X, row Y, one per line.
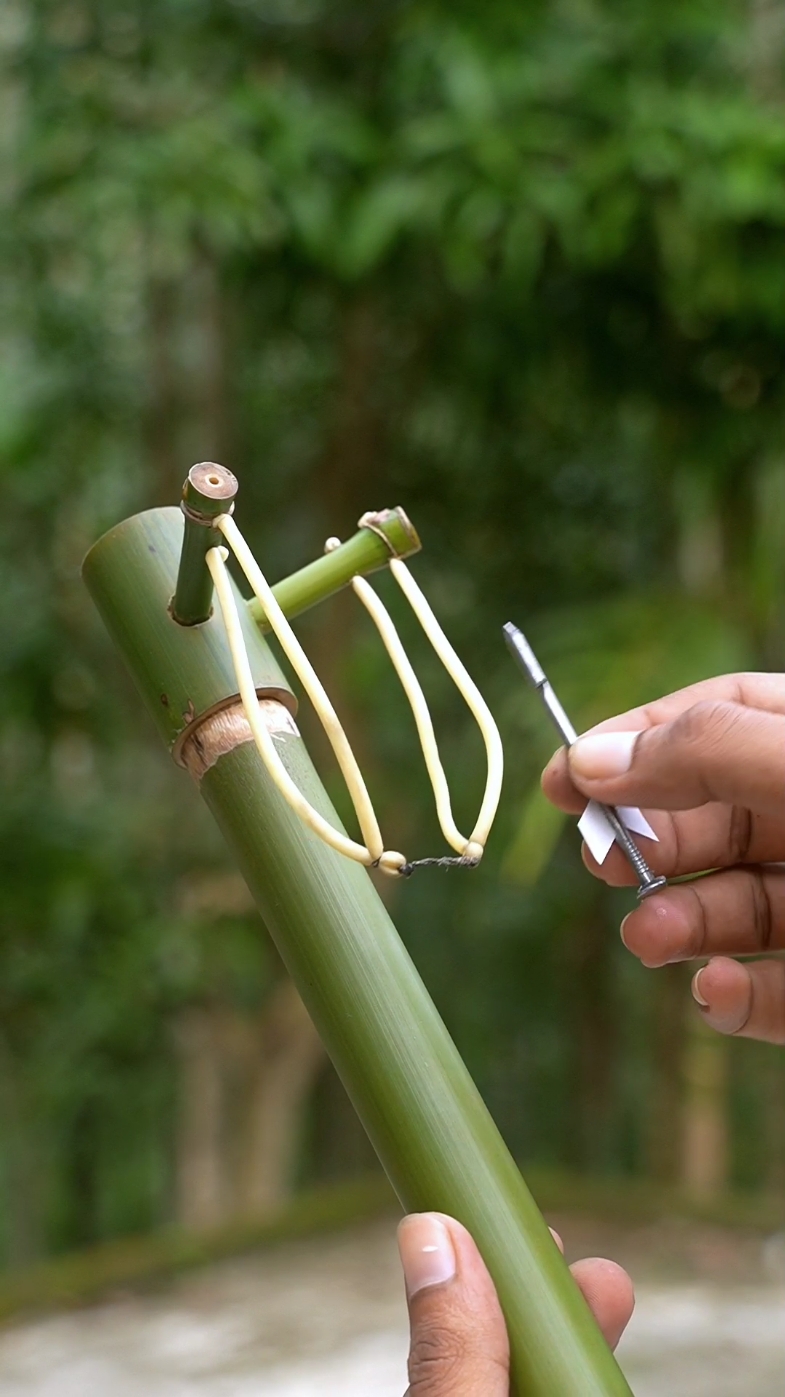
column 518, row 268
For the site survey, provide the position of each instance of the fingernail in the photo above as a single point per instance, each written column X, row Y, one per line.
column 622, row 931
column 427, row 1253
column 607, row 754
column 696, row 990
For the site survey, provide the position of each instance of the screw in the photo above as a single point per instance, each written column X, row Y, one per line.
column 520, row 648
column 648, row 882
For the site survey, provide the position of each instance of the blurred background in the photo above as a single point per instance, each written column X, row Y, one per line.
column 519, row 269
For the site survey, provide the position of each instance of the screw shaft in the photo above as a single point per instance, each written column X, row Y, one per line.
column 648, row 882
column 521, row 650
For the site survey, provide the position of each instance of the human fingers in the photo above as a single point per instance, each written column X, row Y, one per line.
column 745, row 1000
column 713, row 752
column 607, row 1290
column 690, row 841
column 734, row 913
column 459, row 1345
column 752, row 690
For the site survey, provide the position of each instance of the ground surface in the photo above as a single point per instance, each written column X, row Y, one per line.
column 325, row 1318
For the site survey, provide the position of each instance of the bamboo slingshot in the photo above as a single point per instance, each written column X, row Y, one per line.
column 220, row 701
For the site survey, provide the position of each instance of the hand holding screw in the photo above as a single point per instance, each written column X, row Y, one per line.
column 520, row 648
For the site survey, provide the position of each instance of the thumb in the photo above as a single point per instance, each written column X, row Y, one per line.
column 712, row 752
column 459, row 1345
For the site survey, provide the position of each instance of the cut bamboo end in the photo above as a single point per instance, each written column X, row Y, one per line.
column 209, row 489
column 394, row 528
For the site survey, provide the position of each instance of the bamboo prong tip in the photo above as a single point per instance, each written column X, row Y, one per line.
column 212, row 481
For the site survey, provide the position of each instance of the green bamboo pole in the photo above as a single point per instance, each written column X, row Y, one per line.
column 427, row 1122
column 381, row 536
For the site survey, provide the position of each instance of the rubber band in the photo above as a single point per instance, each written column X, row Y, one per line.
column 469, row 692
column 216, row 562
column 372, row 853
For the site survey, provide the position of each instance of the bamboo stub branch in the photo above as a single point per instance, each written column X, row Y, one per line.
column 209, row 490
column 382, row 535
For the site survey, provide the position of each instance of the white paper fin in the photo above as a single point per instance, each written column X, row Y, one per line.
column 596, row 831
column 598, row 834
column 636, row 821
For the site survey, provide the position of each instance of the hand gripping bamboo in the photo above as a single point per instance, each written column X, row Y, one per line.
column 422, row 1112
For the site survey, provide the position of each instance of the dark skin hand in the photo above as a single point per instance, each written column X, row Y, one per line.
column 459, row 1345
column 707, row 764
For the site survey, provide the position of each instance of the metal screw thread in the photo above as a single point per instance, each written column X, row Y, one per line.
column 649, row 882
column 628, row 844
